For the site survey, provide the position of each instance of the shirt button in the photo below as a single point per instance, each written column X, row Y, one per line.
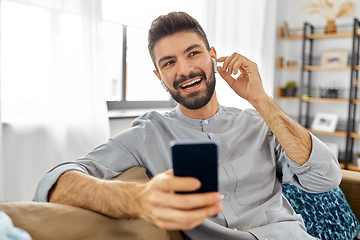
column 222, row 196
column 206, row 121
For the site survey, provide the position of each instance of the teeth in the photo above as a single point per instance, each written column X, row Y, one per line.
column 192, row 82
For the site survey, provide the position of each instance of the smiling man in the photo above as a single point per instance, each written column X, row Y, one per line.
column 258, row 150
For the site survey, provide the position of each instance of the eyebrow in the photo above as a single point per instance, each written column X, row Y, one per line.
column 191, row 48
column 186, row 50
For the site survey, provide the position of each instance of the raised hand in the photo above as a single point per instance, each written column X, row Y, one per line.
column 248, row 84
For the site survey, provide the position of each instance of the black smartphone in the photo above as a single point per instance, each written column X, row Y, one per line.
column 198, row 159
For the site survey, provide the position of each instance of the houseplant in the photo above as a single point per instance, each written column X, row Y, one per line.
column 331, row 11
column 290, row 88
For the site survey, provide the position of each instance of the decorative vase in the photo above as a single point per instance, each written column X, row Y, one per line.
column 330, row 27
column 290, row 92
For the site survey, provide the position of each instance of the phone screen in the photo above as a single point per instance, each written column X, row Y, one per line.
column 197, row 159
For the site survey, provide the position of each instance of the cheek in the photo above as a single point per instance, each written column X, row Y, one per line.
column 168, row 78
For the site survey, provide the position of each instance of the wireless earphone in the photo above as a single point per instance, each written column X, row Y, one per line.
column 164, row 86
column 215, row 65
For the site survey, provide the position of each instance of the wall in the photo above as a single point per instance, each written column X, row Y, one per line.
column 291, row 12
column 119, row 125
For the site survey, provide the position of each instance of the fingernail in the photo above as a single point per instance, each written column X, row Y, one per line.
column 197, row 183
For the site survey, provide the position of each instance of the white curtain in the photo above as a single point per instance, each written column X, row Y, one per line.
column 248, row 28
column 52, row 103
column 53, row 108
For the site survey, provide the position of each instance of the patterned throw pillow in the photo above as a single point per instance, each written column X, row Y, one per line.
column 326, row 215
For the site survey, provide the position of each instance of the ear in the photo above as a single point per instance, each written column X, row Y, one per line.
column 157, row 74
column 213, row 52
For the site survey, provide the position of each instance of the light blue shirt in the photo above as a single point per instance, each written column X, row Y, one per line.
column 8, row 231
column 252, row 166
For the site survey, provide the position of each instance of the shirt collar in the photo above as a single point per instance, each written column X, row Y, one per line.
column 198, row 122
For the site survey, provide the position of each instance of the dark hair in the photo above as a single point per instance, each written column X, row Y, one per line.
column 173, row 22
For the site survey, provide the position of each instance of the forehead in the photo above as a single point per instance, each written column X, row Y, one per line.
column 176, row 44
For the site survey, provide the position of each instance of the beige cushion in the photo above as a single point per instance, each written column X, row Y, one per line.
column 44, row 221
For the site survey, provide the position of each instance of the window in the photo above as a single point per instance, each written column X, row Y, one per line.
column 130, row 81
column 35, row 43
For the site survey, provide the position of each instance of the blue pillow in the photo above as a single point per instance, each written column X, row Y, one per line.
column 326, row 215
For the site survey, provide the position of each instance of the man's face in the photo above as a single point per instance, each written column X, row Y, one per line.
column 185, row 65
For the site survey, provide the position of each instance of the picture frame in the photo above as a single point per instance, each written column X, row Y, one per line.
column 334, row 57
column 325, row 122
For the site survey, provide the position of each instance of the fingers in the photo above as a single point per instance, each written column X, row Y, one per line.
column 184, row 201
column 236, row 62
column 230, row 62
column 169, row 183
column 192, row 201
column 222, row 59
column 174, row 219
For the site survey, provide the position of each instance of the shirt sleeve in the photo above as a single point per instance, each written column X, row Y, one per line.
column 320, row 173
column 106, row 161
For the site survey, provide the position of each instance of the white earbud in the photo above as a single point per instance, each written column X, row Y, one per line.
column 164, row 86
column 215, row 65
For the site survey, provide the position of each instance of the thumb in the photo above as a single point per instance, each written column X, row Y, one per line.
column 226, row 76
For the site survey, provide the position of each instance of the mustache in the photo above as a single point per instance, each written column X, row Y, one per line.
column 183, row 78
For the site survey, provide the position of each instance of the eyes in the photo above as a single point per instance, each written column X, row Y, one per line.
column 170, row 62
column 193, row 53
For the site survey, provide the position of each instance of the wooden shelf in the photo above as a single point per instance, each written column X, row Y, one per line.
column 317, row 35
column 355, row 135
column 294, row 68
column 351, row 166
column 292, row 37
column 331, row 35
column 280, row 94
column 319, row 68
column 336, row 133
column 335, row 100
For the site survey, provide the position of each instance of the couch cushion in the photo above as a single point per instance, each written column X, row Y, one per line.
column 44, row 221
column 326, row 215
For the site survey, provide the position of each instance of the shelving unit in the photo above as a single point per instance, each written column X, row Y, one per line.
column 306, row 99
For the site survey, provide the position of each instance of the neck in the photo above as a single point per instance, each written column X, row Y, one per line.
column 207, row 111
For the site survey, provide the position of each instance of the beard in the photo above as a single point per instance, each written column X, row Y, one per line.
column 198, row 99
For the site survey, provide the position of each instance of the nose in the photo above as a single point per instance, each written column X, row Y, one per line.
column 184, row 67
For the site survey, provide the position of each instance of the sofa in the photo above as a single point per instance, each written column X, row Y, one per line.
column 44, row 221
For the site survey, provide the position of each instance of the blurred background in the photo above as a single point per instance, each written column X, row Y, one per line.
column 76, row 72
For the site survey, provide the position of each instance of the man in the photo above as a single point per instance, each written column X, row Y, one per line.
column 257, row 151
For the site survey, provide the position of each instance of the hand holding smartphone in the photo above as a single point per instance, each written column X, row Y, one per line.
column 198, row 159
